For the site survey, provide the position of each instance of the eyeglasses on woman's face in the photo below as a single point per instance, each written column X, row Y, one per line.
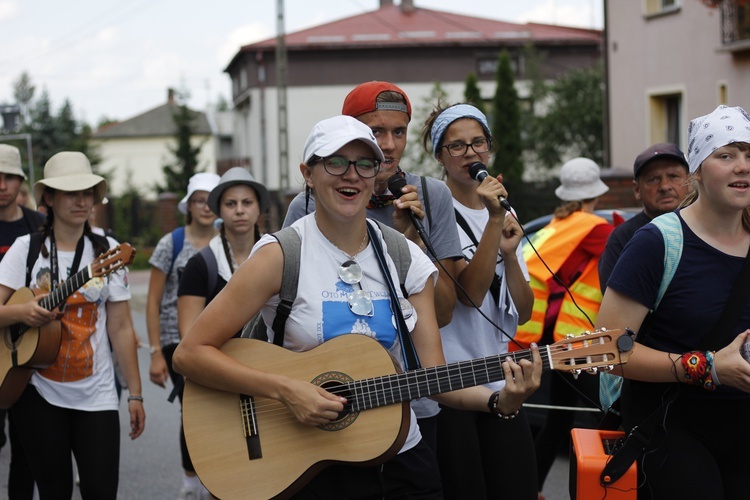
column 338, row 165
column 460, row 148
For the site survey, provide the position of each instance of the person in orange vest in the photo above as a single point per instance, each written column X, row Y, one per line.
column 570, row 245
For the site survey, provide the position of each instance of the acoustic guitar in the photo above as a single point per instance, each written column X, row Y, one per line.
column 25, row 349
column 243, row 446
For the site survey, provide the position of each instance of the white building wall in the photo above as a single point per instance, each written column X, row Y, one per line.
column 139, row 162
column 680, row 51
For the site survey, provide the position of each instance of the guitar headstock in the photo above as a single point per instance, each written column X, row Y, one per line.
column 591, row 351
column 112, row 260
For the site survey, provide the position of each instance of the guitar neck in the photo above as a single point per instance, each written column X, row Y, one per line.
column 424, row 382
column 59, row 295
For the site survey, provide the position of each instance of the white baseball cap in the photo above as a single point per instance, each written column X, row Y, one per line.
column 331, row 134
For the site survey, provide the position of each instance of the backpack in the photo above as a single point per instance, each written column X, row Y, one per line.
column 291, row 246
column 670, row 227
column 178, row 241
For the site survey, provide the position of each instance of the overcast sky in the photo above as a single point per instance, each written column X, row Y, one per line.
column 116, row 58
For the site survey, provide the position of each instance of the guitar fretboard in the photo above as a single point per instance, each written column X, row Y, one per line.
column 424, row 382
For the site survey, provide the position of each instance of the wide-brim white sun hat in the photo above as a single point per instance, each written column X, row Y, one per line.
column 202, row 181
column 332, row 134
column 580, row 180
column 70, row 171
column 233, row 177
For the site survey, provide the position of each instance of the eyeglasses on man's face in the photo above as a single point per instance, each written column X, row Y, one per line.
column 338, row 165
column 460, row 148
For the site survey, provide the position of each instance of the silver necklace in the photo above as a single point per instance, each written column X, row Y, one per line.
column 351, row 257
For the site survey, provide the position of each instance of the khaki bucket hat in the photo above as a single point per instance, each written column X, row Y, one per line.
column 70, row 171
column 10, row 160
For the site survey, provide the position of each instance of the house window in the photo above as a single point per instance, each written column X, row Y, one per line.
column 735, row 22
column 666, row 118
column 654, row 7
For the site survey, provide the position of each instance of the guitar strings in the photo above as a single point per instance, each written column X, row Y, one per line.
column 379, row 391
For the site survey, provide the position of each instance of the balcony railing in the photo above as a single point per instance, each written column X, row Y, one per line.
column 735, row 29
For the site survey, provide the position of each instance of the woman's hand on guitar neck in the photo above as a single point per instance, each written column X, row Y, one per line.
column 312, row 405
column 32, row 314
column 522, row 379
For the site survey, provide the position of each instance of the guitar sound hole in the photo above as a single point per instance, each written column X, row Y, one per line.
column 339, row 389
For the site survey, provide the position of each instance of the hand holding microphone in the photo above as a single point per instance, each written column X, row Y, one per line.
column 396, row 184
column 478, row 172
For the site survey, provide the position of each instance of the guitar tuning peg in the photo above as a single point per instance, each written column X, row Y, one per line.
column 592, row 371
column 575, row 373
column 569, row 336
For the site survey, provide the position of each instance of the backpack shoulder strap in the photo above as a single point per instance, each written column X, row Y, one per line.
column 178, row 241
column 33, row 219
column 291, row 246
column 35, row 246
column 212, row 267
column 671, row 230
column 398, row 249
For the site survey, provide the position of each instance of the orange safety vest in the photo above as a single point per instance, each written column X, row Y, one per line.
column 555, row 243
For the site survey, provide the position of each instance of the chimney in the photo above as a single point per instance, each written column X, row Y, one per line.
column 385, row 3
column 170, row 95
column 407, row 6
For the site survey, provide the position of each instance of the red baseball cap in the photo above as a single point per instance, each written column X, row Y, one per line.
column 363, row 99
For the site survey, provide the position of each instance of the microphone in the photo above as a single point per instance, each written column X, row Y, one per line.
column 478, row 172
column 396, row 184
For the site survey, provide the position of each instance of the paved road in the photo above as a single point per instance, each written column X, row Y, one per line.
column 150, row 466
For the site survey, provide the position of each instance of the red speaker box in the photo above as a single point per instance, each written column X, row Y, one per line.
column 589, row 453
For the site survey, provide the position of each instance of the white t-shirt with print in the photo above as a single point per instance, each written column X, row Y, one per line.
column 469, row 335
column 321, row 311
column 82, row 376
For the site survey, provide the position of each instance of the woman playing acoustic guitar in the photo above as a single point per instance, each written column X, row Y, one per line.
column 342, row 289
column 72, row 405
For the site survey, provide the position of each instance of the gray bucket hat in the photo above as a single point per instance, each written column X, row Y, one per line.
column 580, row 180
column 10, row 160
column 233, row 177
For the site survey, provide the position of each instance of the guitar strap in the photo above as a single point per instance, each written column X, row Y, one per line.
column 640, row 436
column 411, row 360
column 53, row 258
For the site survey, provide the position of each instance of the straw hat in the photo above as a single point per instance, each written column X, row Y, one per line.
column 70, row 171
column 10, row 160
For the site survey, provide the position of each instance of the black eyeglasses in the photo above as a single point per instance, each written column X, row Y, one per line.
column 359, row 301
column 460, row 148
column 338, row 165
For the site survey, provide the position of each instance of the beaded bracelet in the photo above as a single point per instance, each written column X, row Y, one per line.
column 698, row 367
column 135, row 398
column 492, row 405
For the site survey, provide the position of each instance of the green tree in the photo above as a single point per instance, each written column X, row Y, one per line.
column 416, row 160
column 185, row 164
column 23, row 92
column 506, row 129
column 573, row 124
column 472, row 95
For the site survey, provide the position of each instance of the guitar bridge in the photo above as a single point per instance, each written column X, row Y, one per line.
column 250, row 427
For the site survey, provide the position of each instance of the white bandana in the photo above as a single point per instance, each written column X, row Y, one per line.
column 708, row 133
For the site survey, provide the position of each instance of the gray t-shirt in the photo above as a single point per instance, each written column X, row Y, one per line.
column 161, row 259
